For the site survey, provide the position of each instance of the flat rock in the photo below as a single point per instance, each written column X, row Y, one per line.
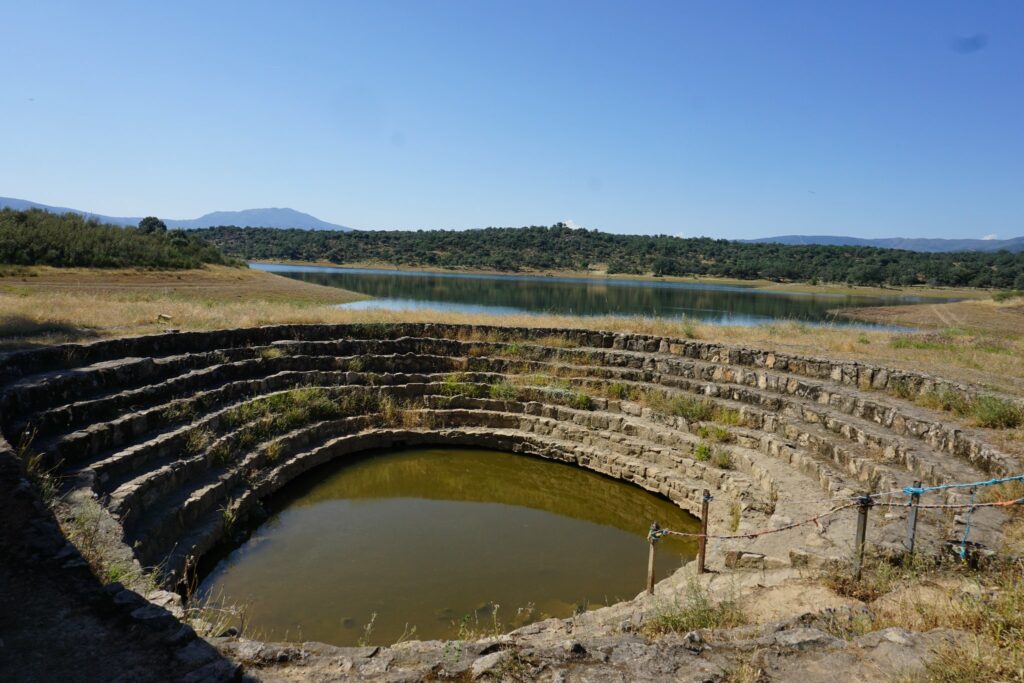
column 483, row 666
column 807, row 639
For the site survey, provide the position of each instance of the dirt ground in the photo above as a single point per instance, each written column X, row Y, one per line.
column 1005, row 318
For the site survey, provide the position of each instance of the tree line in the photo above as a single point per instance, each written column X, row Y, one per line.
column 36, row 237
column 560, row 247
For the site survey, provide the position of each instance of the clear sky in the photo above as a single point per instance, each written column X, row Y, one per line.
column 729, row 119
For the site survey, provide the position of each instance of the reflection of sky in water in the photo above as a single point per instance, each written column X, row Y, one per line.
column 722, row 317
column 414, row 305
column 404, row 290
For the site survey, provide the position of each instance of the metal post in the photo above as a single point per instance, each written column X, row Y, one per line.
column 915, row 498
column 863, row 505
column 703, row 542
column 652, row 538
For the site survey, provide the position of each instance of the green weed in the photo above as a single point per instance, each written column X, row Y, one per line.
column 702, row 452
column 722, row 459
column 696, row 611
column 503, row 391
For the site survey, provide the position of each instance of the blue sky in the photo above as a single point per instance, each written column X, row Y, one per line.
column 729, row 119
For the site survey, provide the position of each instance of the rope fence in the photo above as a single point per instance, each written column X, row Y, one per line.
column 863, row 503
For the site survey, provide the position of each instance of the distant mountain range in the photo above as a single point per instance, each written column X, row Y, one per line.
column 255, row 218
column 909, row 243
column 290, row 218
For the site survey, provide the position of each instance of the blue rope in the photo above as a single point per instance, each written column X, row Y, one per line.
column 918, row 490
column 967, row 528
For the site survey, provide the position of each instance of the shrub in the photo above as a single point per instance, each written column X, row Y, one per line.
column 716, row 433
column 722, row 459
column 902, row 388
column 390, row 412
column 985, row 411
column 946, row 399
column 727, row 416
column 35, row 237
column 702, row 452
column 197, row 440
column 690, row 408
column 581, row 401
column 997, row 413
column 272, row 451
column 688, row 329
column 1007, row 294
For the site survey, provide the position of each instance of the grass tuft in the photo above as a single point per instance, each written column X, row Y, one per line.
column 456, row 384
column 197, row 440
column 504, row 391
column 621, row 392
column 695, row 611
column 722, row 459
column 715, row 433
column 271, row 352
column 702, row 452
column 996, row 413
column 46, row 481
column 581, row 401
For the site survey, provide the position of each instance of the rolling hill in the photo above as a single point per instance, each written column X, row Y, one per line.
column 1015, row 244
column 257, row 218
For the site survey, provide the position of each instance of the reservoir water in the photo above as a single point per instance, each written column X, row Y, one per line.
column 442, row 540
column 525, row 294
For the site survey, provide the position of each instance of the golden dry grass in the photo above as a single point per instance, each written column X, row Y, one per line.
column 46, row 305
column 210, row 283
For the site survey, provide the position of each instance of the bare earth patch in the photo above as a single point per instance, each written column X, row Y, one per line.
column 1006, row 318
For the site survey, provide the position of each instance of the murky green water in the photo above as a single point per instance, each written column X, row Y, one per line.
column 519, row 294
column 435, row 538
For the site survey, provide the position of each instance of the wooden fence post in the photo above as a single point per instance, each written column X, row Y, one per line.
column 703, row 543
column 915, row 498
column 652, row 538
column 863, row 505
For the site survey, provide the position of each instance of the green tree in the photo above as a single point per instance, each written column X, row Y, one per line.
column 151, row 224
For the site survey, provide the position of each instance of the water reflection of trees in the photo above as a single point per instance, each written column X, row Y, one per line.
column 589, row 298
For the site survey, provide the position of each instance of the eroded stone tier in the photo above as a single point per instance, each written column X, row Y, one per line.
column 167, row 431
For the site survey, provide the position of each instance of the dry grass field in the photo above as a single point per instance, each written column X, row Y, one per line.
column 51, row 305
column 980, row 342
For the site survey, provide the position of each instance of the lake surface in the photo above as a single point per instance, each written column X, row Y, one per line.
column 437, row 537
column 523, row 294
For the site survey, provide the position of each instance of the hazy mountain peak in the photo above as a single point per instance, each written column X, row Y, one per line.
column 262, row 218
column 255, row 218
